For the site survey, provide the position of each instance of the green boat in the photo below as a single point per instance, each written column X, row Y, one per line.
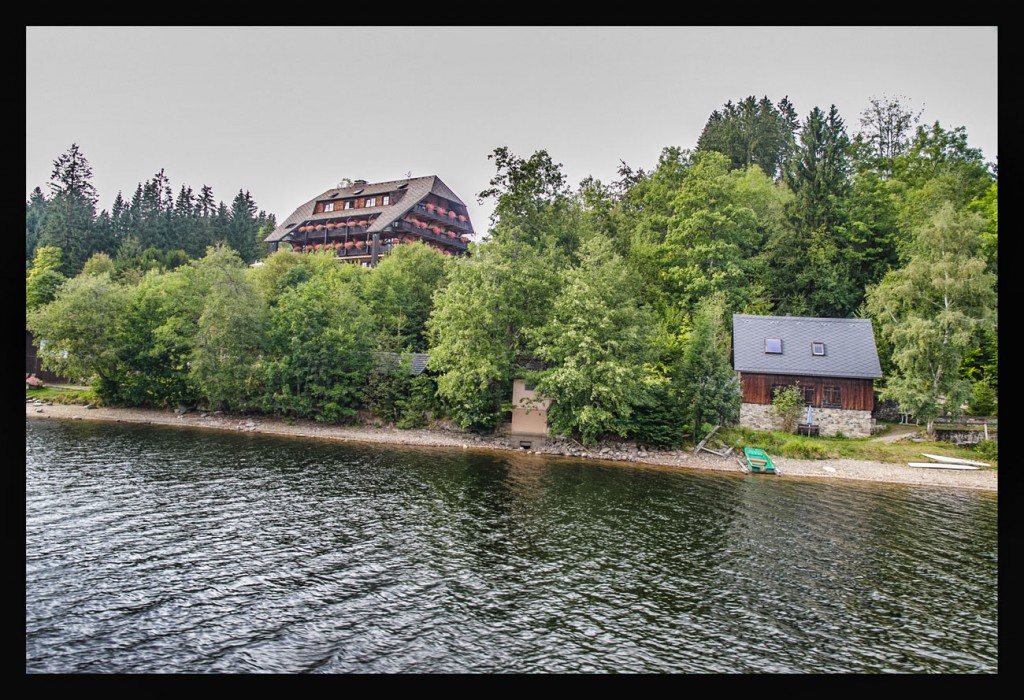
column 758, row 461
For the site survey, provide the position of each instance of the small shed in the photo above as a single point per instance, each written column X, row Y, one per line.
column 834, row 362
column 529, row 415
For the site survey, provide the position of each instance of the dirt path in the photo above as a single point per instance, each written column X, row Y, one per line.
column 899, row 432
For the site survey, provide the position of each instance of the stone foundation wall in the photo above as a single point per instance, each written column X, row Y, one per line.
column 829, row 420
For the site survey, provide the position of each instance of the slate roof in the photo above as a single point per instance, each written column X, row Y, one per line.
column 392, row 360
column 849, row 346
column 415, row 190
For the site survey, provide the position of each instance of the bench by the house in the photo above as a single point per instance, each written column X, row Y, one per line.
column 808, row 429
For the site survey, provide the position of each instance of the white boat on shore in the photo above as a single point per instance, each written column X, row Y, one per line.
column 939, row 465
column 954, row 460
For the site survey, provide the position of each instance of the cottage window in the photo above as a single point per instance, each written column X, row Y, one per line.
column 348, row 203
column 329, row 206
column 385, row 200
column 817, row 348
column 371, row 201
column 831, row 397
column 806, row 391
column 773, row 346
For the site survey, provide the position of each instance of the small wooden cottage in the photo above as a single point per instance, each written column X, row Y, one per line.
column 834, row 361
column 364, row 221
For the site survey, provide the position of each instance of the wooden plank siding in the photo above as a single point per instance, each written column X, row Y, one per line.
column 33, row 365
column 855, row 394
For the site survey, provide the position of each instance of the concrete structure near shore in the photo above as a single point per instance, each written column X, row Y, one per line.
column 529, row 416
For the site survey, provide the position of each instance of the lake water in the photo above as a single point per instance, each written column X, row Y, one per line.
column 162, row 550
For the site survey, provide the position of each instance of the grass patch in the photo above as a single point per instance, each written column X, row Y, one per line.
column 806, row 448
column 900, row 452
column 80, row 397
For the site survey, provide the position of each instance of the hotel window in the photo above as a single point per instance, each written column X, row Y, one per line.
column 385, row 200
column 371, row 201
column 348, row 203
column 329, row 206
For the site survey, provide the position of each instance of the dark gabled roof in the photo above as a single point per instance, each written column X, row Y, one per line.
column 849, row 346
column 392, row 360
column 416, row 189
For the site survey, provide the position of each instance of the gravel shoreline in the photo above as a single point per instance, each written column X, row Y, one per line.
column 842, row 469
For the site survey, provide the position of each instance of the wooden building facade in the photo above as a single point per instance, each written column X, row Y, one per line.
column 833, row 361
column 819, row 392
column 364, row 221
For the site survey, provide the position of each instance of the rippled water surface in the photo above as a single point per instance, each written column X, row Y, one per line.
column 168, row 550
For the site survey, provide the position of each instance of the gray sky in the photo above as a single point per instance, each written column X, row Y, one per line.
column 287, row 112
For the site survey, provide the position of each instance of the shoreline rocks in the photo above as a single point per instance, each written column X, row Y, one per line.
column 621, row 452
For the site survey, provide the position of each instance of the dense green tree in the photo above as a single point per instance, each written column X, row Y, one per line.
column 230, row 339
column 120, row 224
column 819, row 172
column 711, row 391
column 643, row 218
column 394, row 394
column 398, row 294
column 186, row 225
column 987, row 206
column 930, row 311
column 319, row 349
column 161, row 326
column 596, row 345
column 595, row 206
column 752, row 132
column 99, row 264
column 481, row 327
column 71, row 209
column 243, row 227
column 871, row 234
column 152, row 213
column 42, row 289
column 202, row 234
column 281, row 270
column 44, row 279
column 531, row 199
column 35, row 212
column 713, row 234
column 935, row 151
column 157, row 333
column 811, row 266
column 78, row 333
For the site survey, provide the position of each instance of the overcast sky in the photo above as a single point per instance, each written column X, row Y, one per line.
column 287, row 112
